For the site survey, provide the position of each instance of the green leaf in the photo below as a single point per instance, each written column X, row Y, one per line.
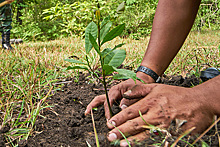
column 119, row 77
column 94, row 43
column 77, row 67
column 125, row 74
column 105, row 21
column 119, row 45
column 74, row 61
column 204, row 144
column 108, row 69
column 91, row 28
column 115, row 58
column 105, row 27
column 121, row 8
column 219, row 49
column 113, row 33
column 105, row 30
column 105, row 52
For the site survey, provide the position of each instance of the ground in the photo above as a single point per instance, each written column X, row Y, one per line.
column 65, row 124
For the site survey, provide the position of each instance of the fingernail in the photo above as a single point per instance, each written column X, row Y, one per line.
column 112, row 136
column 123, row 106
column 124, row 144
column 127, row 92
column 85, row 112
column 112, row 123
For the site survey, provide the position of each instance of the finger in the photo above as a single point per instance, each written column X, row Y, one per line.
column 139, row 91
column 108, row 114
column 126, row 103
column 132, row 127
column 135, row 138
column 98, row 100
column 132, row 111
column 115, row 93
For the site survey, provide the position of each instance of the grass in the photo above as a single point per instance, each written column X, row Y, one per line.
column 199, row 51
column 29, row 73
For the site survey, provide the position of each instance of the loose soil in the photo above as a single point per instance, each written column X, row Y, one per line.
column 65, row 124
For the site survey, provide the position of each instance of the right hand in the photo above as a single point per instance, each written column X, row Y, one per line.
column 162, row 104
column 116, row 92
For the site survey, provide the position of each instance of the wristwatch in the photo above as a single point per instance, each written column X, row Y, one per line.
column 149, row 72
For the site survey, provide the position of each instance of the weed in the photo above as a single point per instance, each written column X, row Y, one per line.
column 96, row 135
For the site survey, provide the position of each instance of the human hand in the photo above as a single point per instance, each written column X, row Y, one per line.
column 161, row 105
column 115, row 93
column 10, row 1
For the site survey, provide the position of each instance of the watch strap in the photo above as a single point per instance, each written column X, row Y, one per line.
column 149, row 72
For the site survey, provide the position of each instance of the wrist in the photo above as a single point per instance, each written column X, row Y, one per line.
column 150, row 74
column 146, row 78
column 207, row 98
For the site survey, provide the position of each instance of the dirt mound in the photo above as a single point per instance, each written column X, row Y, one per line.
column 65, row 124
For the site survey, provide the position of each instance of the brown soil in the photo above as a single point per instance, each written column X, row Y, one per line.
column 65, row 124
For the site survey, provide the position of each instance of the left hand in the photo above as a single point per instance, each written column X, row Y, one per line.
column 160, row 106
column 116, row 92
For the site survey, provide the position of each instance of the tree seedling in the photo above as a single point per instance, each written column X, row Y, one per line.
column 96, row 35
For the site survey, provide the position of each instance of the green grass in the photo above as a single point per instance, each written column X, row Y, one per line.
column 200, row 50
column 27, row 74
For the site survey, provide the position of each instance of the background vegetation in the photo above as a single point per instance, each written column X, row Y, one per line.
column 53, row 19
column 54, row 30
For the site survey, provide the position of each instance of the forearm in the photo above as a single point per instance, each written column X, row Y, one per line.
column 9, row 1
column 172, row 23
column 210, row 93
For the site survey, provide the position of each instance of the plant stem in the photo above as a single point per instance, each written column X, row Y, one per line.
column 92, row 73
column 102, row 64
column 106, row 93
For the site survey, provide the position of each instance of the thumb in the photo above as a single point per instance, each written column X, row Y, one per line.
column 139, row 91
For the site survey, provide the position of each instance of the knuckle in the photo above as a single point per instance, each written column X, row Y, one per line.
column 98, row 97
column 130, row 113
column 115, row 87
column 135, row 125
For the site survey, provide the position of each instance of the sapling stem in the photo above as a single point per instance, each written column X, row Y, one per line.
column 91, row 70
column 102, row 62
column 106, row 93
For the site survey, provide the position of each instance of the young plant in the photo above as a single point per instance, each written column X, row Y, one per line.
column 96, row 35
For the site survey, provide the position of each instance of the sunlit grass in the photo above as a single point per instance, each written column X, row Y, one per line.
column 200, row 50
column 27, row 74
